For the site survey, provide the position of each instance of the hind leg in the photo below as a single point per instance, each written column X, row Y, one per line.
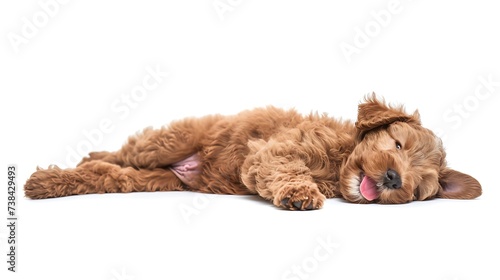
column 109, row 157
column 161, row 147
column 99, row 177
column 148, row 149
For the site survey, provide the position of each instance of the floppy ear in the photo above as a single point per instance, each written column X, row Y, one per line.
column 457, row 185
column 374, row 113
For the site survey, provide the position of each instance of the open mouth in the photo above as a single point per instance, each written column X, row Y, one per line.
column 368, row 188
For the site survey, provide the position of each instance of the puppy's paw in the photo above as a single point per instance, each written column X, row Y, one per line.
column 43, row 183
column 303, row 196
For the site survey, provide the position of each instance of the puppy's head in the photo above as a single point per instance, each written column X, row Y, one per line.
column 396, row 160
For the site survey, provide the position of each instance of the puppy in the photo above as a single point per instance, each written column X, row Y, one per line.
column 295, row 161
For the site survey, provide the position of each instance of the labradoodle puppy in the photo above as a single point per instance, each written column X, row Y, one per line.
column 295, row 161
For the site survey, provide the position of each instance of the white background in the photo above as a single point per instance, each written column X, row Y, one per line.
column 62, row 79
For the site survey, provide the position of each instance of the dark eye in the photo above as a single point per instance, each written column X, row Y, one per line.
column 398, row 145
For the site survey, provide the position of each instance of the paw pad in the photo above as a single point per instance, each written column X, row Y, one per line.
column 305, row 197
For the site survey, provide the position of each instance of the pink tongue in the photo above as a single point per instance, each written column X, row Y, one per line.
column 368, row 188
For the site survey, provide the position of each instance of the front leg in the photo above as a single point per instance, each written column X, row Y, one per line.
column 300, row 193
column 277, row 171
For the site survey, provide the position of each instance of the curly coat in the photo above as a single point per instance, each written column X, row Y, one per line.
column 295, row 161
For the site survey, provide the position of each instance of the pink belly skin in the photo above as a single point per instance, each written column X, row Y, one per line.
column 187, row 170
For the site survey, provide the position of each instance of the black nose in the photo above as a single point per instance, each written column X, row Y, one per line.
column 392, row 180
